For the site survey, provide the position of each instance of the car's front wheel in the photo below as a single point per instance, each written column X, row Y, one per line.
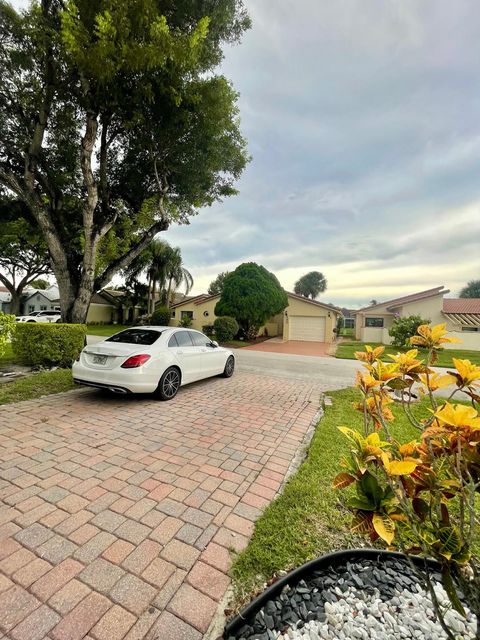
column 229, row 367
column 169, row 384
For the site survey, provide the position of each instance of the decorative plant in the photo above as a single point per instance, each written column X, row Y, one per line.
column 405, row 328
column 7, row 327
column 185, row 322
column 421, row 497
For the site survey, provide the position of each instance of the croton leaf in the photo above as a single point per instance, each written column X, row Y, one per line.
column 384, row 526
column 360, row 503
column 401, row 467
column 450, row 541
column 371, row 489
column 397, row 384
column 421, row 508
column 342, row 480
column 362, row 523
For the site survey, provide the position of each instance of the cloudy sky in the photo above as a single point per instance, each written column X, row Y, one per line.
column 363, row 120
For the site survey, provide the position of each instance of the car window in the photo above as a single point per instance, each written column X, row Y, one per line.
column 173, row 341
column 136, row 336
column 198, row 339
column 183, row 339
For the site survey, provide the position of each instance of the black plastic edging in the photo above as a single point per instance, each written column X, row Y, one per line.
column 292, row 578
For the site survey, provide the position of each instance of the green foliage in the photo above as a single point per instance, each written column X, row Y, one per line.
column 208, row 330
column 7, row 329
column 251, row 295
column 47, row 345
column 311, row 284
column 40, row 283
column 225, row 328
column 405, row 328
column 472, row 290
column 185, row 322
column 137, row 82
column 161, row 316
column 216, row 286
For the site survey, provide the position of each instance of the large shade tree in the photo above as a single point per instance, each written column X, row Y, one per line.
column 251, row 295
column 216, row 286
column 23, row 252
column 471, row 290
column 311, row 284
column 114, row 124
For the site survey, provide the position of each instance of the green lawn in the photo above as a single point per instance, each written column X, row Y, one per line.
column 346, row 350
column 36, row 385
column 104, row 329
column 308, row 519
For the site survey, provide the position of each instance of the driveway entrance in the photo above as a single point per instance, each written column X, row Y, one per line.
column 118, row 514
column 295, row 347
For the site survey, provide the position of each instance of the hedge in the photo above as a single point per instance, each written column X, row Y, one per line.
column 161, row 316
column 47, row 345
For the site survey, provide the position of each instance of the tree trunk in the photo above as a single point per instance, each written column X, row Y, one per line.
column 15, row 303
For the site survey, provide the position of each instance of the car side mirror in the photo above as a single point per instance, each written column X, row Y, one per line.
column 214, row 344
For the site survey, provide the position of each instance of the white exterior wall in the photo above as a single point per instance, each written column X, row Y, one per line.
column 428, row 308
column 469, row 340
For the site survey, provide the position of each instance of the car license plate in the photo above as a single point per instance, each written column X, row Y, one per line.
column 99, row 359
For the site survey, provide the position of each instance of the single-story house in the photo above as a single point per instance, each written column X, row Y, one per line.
column 461, row 316
column 106, row 306
column 303, row 319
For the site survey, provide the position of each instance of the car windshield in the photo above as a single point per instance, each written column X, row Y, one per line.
column 136, row 336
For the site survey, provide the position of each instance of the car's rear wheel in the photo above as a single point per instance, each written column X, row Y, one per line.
column 229, row 367
column 169, row 384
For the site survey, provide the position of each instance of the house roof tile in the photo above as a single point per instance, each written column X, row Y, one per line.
column 461, row 305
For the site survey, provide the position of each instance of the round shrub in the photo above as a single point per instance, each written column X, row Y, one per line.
column 226, row 328
column 405, row 328
column 48, row 345
column 161, row 316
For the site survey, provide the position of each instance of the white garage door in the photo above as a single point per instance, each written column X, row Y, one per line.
column 307, row 328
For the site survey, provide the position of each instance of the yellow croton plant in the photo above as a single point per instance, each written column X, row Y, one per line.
column 420, row 497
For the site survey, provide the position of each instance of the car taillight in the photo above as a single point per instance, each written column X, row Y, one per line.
column 135, row 361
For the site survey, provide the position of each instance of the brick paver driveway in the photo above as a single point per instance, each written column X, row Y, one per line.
column 294, row 347
column 118, row 514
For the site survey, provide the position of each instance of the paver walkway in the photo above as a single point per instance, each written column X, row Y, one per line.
column 117, row 514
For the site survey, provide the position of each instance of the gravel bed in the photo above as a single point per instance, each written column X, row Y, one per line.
column 362, row 599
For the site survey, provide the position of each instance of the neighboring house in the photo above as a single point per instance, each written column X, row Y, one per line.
column 303, row 319
column 106, row 307
column 348, row 318
column 461, row 316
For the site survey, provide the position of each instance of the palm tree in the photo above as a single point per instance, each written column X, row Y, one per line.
column 176, row 274
column 162, row 265
column 311, row 284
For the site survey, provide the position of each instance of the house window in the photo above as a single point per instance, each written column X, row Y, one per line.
column 43, row 307
column 173, row 314
column 186, row 314
column 470, row 329
column 206, row 314
column 31, row 307
column 374, row 322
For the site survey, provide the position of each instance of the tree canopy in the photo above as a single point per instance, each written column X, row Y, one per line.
column 216, row 286
column 311, row 284
column 251, row 295
column 23, row 251
column 471, row 290
column 114, row 124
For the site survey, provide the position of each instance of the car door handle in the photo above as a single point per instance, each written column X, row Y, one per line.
column 180, row 353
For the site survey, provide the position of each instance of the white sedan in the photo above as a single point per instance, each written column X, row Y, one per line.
column 41, row 316
column 152, row 360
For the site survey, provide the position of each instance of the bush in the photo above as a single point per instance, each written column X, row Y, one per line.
column 208, row 330
column 47, row 345
column 225, row 328
column 7, row 329
column 405, row 328
column 185, row 322
column 161, row 316
column 251, row 295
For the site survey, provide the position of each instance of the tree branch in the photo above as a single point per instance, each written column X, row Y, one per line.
column 126, row 259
